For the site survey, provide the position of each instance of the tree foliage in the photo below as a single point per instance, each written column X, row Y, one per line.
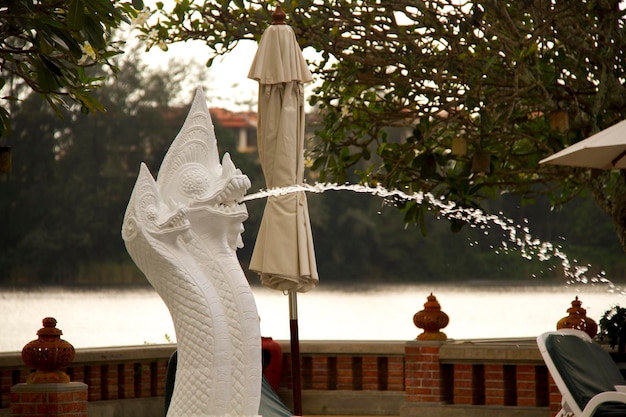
column 45, row 47
column 489, row 88
column 64, row 202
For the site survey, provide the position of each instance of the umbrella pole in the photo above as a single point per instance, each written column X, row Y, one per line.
column 295, row 353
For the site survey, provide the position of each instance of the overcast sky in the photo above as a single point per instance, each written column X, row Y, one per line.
column 227, row 85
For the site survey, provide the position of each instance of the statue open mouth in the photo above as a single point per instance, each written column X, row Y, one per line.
column 177, row 220
column 226, row 192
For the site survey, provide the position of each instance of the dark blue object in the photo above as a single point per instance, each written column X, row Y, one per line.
column 587, row 370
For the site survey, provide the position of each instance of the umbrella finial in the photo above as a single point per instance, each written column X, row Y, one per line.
column 278, row 17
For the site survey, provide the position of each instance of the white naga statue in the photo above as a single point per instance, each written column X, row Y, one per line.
column 182, row 231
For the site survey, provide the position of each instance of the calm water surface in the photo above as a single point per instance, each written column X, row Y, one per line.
column 122, row 317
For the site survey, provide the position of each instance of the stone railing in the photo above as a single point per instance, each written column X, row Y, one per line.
column 110, row 373
column 474, row 377
column 339, row 377
column 497, row 377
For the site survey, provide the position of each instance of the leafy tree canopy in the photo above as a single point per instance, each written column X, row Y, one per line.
column 45, row 46
column 64, row 201
column 489, row 88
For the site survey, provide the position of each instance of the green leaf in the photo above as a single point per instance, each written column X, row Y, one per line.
column 5, row 122
column 94, row 32
column 48, row 21
column 428, row 165
column 45, row 77
column 76, row 14
column 365, row 152
column 422, row 221
column 70, row 42
column 456, row 225
column 52, row 66
column 90, row 103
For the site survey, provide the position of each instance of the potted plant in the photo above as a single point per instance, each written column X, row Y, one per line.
column 613, row 328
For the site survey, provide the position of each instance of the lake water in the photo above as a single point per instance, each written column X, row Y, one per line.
column 124, row 317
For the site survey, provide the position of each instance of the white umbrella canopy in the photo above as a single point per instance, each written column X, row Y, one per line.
column 284, row 253
column 604, row 150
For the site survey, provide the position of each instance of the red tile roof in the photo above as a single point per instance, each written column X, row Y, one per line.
column 227, row 118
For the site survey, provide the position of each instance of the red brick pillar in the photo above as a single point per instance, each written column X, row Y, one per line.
column 555, row 397
column 526, row 386
column 423, row 382
column 463, row 387
column 494, row 385
column 64, row 399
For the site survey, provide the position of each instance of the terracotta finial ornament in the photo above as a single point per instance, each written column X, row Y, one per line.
column 577, row 319
column 48, row 354
column 278, row 17
column 432, row 320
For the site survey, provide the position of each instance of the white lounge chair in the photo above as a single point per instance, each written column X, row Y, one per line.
column 586, row 375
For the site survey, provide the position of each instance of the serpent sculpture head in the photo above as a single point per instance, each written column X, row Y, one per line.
column 191, row 174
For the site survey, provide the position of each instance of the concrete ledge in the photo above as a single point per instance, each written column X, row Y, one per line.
column 102, row 354
column 443, row 410
column 335, row 403
column 123, row 353
column 491, row 351
column 347, row 347
column 137, row 407
column 164, row 351
column 347, row 403
column 50, row 387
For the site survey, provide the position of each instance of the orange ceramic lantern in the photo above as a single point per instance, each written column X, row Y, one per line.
column 577, row 319
column 48, row 354
column 432, row 320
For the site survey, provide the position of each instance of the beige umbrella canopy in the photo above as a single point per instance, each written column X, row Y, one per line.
column 604, row 150
column 283, row 254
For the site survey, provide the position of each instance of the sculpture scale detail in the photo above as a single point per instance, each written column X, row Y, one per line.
column 182, row 231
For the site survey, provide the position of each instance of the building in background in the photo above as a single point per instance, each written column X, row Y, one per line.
column 244, row 125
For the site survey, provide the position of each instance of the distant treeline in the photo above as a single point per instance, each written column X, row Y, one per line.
column 359, row 239
column 62, row 207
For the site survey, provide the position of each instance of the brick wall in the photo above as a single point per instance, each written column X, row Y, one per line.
column 416, row 373
column 475, row 374
column 347, row 372
column 494, row 385
column 423, row 372
column 49, row 400
column 121, row 380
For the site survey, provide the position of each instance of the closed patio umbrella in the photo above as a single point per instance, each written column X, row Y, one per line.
column 604, row 150
column 283, row 254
